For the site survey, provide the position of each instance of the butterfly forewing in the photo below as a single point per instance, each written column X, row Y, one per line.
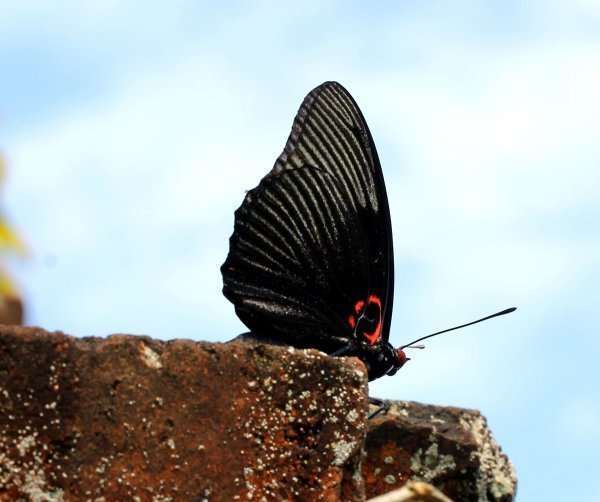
column 314, row 237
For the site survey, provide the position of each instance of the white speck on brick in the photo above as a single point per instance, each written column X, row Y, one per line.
column 150, row 357
column 342, row 451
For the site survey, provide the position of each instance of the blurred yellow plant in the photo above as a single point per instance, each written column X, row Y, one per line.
column 9, row 243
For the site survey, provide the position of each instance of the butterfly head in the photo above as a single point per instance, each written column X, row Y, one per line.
column 382, row 359
column 400, row 360
column 395, row 358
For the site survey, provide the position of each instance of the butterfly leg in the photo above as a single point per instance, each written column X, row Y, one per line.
column 346, row 349
column 383, row 407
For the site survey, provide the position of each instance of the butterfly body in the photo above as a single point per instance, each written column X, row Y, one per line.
column 310, row 262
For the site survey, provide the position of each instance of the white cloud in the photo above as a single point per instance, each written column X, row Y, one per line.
column 152, row 164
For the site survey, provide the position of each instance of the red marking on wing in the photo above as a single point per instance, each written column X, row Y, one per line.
column 351, row 321
column 373, row 338
column 358, row 306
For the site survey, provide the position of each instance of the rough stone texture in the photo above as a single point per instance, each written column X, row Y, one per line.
column 451, row 448
column 131, row 418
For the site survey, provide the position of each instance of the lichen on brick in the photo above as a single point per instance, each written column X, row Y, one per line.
column 497, row 476
column 430, row 464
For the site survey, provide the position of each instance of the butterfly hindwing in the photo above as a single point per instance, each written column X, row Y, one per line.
column 294, row 262
column 314, row 237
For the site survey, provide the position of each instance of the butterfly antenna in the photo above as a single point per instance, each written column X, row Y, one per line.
column 411, row 344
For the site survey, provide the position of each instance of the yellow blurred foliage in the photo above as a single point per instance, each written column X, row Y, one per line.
column 9, row 243
column 7, row 288
column 9, row 240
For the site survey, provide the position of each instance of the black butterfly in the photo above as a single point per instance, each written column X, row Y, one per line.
column 311, row 260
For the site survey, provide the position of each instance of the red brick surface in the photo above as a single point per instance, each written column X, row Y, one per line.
column 131, row 418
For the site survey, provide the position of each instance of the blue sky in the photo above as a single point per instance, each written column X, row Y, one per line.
column 132, row 129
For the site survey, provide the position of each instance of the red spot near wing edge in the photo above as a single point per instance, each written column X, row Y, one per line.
column 351, row 321
column 374, row 337
column 359, row 307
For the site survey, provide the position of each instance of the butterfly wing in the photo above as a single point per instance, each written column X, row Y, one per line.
column 314, row 236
